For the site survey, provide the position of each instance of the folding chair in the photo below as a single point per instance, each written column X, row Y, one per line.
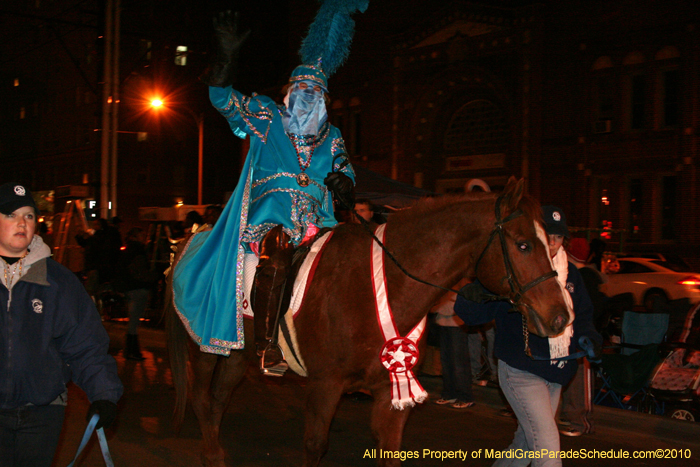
column 625, row 375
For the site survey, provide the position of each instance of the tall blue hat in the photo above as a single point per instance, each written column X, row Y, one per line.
column 327, row 44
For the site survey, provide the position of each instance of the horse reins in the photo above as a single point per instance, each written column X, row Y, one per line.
column 369, row 230
column 498, row 229
column 516, row 289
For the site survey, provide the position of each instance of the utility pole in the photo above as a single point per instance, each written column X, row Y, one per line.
column 110, row 105
column 116, row 34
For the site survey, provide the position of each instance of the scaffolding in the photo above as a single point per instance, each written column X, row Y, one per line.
column 72, row 220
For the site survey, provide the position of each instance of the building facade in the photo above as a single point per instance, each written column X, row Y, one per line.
column 594, row 103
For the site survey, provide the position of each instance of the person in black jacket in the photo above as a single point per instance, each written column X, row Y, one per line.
column 50, row 334
column 532, row 385
column 135, row 279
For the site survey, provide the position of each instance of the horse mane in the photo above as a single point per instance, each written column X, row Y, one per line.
column 428, row 205
column 425, row 206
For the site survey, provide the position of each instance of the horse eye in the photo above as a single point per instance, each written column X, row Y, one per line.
column 523, row 246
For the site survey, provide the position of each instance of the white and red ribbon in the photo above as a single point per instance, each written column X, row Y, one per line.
column 399, row 354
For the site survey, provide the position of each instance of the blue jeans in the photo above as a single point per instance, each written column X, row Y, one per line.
column 534, row 401
column 456, row 367
column 137, row 300
column 29, row 435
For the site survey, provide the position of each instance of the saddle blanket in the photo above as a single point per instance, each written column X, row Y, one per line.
column 287, row 335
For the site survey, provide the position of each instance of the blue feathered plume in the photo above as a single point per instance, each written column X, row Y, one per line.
column 331, row 33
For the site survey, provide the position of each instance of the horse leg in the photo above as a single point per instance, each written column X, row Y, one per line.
column 203, row 368
column 322, row 400
column 228, row 373
column 387, row 426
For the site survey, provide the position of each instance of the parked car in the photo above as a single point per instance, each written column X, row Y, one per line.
column 652, row 276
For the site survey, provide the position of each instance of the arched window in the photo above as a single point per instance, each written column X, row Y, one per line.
column 667, row 52
column 603, row 94
column 602, row 63
column 634, row 58
column 669, row 100
column 478, row 127
column 636, row 90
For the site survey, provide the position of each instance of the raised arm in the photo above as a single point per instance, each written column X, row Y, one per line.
column 222, row 70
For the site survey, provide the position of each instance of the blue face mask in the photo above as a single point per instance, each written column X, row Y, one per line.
column 306, row 111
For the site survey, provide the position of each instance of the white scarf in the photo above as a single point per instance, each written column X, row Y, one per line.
column 559, row 345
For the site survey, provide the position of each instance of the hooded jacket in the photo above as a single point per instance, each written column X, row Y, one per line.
column 50, row 334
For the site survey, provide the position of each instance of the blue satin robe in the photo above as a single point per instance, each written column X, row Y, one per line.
column 208, row 281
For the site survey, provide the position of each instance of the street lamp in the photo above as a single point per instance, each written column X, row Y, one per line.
column 199, row 120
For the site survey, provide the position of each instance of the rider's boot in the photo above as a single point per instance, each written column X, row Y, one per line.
column 276, row 252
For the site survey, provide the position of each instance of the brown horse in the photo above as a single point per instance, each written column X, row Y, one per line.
column 438, row 240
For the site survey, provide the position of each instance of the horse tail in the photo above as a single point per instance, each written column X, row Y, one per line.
column 177, row 350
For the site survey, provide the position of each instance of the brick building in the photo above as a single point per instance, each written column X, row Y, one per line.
column 594, row 103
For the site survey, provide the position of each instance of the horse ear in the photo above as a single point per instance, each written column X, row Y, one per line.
column 512, row 195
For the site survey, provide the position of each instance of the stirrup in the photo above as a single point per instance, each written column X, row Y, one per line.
column 277, row 368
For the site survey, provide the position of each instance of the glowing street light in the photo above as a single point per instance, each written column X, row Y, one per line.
column 157, row 103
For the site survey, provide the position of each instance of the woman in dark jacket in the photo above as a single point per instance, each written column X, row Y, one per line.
column 50, row 334
column 134, row 279
column 532, row 385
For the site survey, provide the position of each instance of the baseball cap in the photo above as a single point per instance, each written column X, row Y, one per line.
column 14, row 196
column 579, row 250
column 555, row 221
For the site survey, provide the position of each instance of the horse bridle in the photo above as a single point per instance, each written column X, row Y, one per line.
column 517, row 291
column 497, row 229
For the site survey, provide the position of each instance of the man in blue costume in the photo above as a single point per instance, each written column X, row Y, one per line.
column 296, row 163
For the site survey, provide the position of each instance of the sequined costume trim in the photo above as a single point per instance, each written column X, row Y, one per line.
column 303, row 213
column 305, row 145
column 242, row 106
column 262, row 181
column 313, row 78
column 240, row 258
column 338, row 147
column 291, row 191
column 255, row 233
column 219, row 350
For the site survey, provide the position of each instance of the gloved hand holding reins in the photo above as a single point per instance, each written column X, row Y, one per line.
column 342, row 187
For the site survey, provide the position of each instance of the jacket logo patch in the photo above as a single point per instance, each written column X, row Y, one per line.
column 37, row 306
column 570, row 287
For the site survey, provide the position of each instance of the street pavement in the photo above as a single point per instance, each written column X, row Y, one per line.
column 263, row 426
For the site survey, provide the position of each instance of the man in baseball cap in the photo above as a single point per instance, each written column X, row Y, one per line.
column 555, row 221
column 14, row 196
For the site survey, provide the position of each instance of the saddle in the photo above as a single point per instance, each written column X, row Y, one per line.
column 303, row 265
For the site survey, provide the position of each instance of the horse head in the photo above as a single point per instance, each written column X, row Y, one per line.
column 521, row 269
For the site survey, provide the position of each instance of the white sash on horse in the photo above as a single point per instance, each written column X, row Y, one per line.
column 399, row 354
